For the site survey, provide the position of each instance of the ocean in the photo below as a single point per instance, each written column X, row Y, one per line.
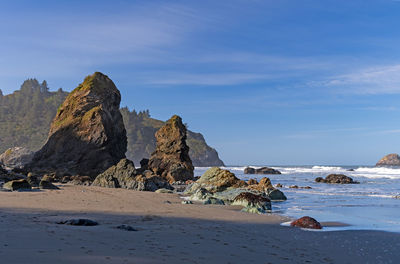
column 370, row 205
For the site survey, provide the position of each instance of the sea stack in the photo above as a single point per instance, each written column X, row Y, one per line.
column 171, row 158
column 389, row 160
column 87, row 136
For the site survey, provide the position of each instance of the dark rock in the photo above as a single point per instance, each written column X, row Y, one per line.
column 278, row 185
column 263, row 170
column 16, row 157
column 80, row 180
column 350, row 170
column 47, row 185
column 306, row 222
column 79, row 222
column 32, row 180
column 389, row 160
column 336, row 178
column 249, row 170
column 144, row 164
column 187, row 202
column 276, row 195
column 294, row 187
column 253, row 203
column 87, row 136
column 171, row 158
column 17, row 185
column 126, row 228
column 124, row 175
column 213, row 200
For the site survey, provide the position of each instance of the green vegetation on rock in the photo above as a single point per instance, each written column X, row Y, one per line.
column 26, row 115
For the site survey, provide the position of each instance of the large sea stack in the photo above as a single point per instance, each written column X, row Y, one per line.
column 87, row 136
column 389, row 160
column 171, row 158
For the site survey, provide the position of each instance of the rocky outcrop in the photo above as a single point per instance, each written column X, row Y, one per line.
column 224, row 185
column 124, row 175
column 336, row 178
column 87, row 136
column 263, row 170
column 216, row 180
column 16, row 157
column 253, row 203
column 306, row 222
column 17, row 185
column 389, row 160
column 171, row 158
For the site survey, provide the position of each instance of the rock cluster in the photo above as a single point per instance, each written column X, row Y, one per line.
column 306, row 222
column 87, row 136
column 171, row 158
column 263, row 170
column 124, row 175
column 336, row 178
column 223, row 185
column 389, row 160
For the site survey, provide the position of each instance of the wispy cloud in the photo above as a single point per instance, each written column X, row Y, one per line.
column 371, row 80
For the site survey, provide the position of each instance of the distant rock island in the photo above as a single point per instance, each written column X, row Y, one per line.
column 26, row 114
column 389, row 160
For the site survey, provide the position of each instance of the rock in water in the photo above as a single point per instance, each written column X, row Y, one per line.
column 306, row 222
column 87, row 136
column 389, row 160
column 171, row 158
column 336, row 178
column 263, row 170
column 16, row 157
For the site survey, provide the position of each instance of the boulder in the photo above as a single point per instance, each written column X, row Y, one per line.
column 32, row 180
column 216, row 180
column 16, row 185
column 253, row 203
column 263, row 170
column 79, row 222
column 171, row 158
column 336, row 178
column 263, row 186
column 389, row 160
column 16, row 157
column 47, row 185
column 87, row 136
column 306, row 222
column 163, row 190
column 252, row 182
column 213, row 200
column 124, row 175
column 276, row 195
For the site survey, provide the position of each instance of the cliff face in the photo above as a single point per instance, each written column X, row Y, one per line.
column 389, row 160
column 26, row 115
column 87, row 136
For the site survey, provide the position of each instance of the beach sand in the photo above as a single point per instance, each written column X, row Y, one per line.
column 168, row 232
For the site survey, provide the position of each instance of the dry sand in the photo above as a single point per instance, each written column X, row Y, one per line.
column 168, row 232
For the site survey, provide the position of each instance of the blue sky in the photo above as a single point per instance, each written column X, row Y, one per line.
column 266, row 82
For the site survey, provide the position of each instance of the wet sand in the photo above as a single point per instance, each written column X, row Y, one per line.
column 167, row 232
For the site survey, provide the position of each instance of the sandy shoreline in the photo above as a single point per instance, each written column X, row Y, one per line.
column 168, row 232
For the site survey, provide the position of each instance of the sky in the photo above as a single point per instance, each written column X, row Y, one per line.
column 266, row 82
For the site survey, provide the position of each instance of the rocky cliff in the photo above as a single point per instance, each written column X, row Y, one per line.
column 389, row 160
column 87, row 136
column 171, row 158
column 26, row 115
